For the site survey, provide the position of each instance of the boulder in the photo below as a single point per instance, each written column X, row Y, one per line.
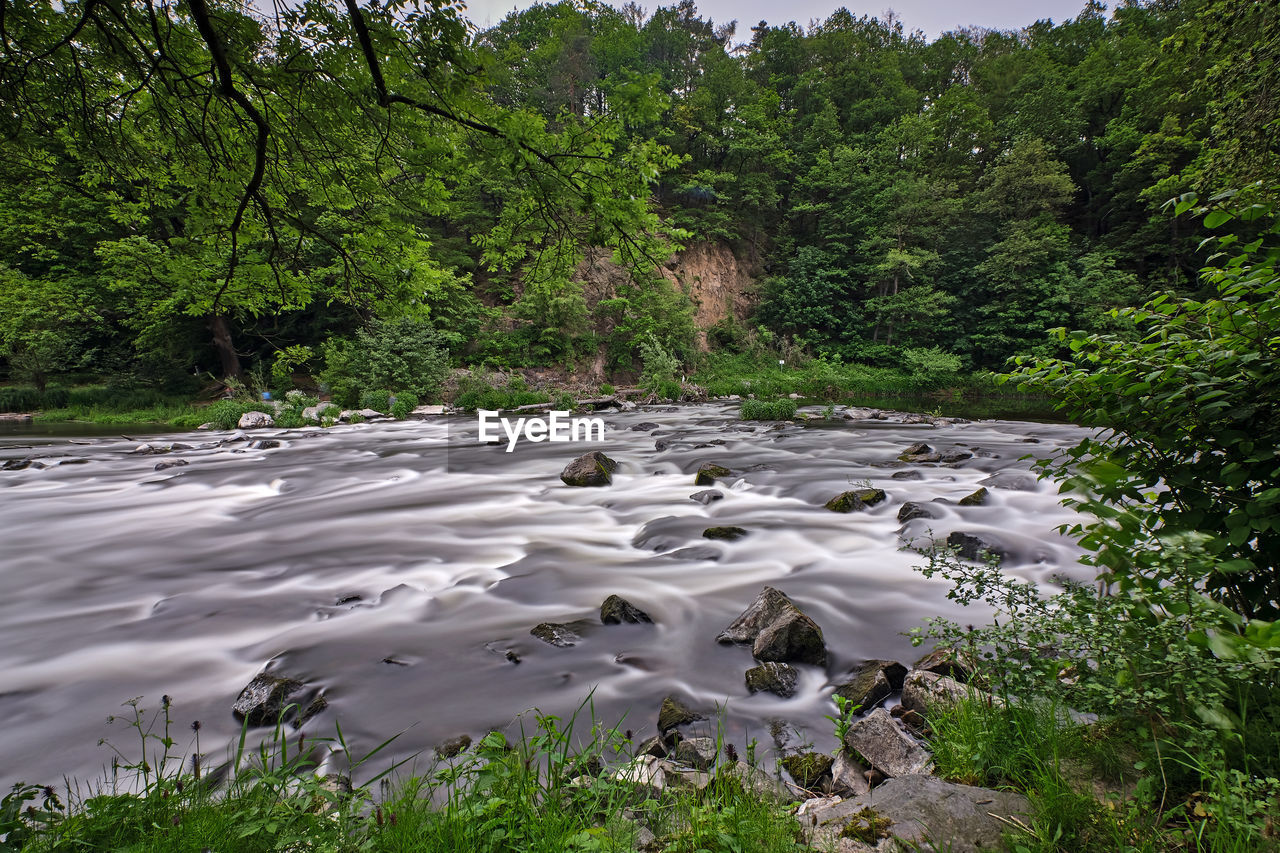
column 807, row 768
column 856, row 499
column 646, row 426
column 773, row 677
column 906, row 475
column 315, row 414
column 879, row 739
column 615, row 610
column 921, row 811
column 947, row 661
column 589, row 469
column 1018, row 481
column 428, row 411
column 950, row 457
column 256, row 420
column 978, row 498
column 926, row 691
column 755, row 781
column 778, row 631
column 453, row 746
column 911, row 510
column 172, row 463
column 871, row 682
column 728, row 533
column 265, row 698
column 699, row 752
column 919, row 452
column 264, row 444
column 708, row 472
column 674, row 713
column 555, row 634
column 706, row 496
column 848, row 776
column 978, row 547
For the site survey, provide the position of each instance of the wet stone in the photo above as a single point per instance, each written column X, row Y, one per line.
column 555, row 634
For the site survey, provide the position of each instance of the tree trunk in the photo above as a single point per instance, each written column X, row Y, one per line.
column 227, row 356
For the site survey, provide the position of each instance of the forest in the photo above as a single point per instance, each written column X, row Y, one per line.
column 193, row 192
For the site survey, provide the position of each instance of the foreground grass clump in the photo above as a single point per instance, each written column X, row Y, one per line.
column 541, row 794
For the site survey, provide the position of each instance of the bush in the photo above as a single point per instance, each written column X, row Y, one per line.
column 404, row 353
column 931, row 367
column 379, row 401
column 475, row 391
column 660, row 364
column 404, row 405
column 761, row 410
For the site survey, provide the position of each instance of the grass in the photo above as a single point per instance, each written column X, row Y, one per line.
column 540, row 795
column 762, row 410
column 1039, row 750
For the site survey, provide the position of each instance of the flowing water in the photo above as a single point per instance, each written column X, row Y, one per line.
column 395, row 565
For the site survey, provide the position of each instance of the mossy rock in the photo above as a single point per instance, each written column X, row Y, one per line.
column 589, row 469
column 867, row 826
column 978, row 498
column 855, row 499
column 617, row 610
column 708, row 472
column 808, row 768
column 773, row 677
column 675, row 713
column 727, row 533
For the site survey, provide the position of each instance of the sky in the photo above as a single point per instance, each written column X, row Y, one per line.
column 932, row 16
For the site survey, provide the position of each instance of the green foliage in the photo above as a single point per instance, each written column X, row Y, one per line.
column 405, row 403
column 225, row 414
column 286, row 363
column 931, row 367
column 379, row 401
column 660, row 365
column 476, row 391
column 1190, row 402
column 765, row 410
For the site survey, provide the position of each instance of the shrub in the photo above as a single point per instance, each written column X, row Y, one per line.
column 404, row 405
column 405, row 353
column 761, row 410
column 379, row 401
column 660, row 365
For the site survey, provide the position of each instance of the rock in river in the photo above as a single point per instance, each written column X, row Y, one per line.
column 777, row 630
column 708, row 472
column 772, row 677
column 728, row 533
column 855, row 499
column 706, row 496
column 264, row 698
column 978, row 547
column 555, row 634
column 978, row 498
column 911, row 510
column 617, row 610
column 871, row 682
column 589, row 469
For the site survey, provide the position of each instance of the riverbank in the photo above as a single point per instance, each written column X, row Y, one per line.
column 819, row 382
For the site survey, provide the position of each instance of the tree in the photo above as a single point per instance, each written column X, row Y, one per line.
column 259, row 166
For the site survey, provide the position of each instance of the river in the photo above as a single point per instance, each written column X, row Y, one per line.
column 394, row 565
